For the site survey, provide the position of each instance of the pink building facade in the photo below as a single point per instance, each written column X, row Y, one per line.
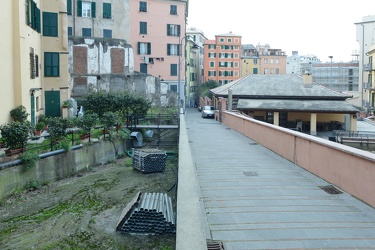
column 158, row 38
column 222, row 58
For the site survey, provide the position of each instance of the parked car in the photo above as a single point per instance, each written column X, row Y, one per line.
column 200, row 108
column 208, row 111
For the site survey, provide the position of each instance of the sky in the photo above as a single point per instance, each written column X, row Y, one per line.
column 322, row 27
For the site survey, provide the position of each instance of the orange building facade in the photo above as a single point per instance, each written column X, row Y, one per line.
column 222, row 58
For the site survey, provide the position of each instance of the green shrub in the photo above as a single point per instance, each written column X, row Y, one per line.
column 16, row 134
column 19, row 114
column 29, row 160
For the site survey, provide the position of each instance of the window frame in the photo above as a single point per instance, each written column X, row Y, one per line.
column 50, row 24
column 173, row 9
column 142, row 6
column 51, row 69
column 107, row 10
column 142, row 46
column 143, row 28
column 173, row 30
column 85, row 30
column 173, row 69
column 106, row 32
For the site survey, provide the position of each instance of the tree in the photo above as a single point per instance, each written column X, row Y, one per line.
column 204, row 89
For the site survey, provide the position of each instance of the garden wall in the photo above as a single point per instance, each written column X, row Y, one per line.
column 60, row 166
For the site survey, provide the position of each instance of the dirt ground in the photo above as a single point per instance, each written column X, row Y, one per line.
column 82, row 212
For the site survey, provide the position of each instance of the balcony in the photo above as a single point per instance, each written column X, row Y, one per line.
column 368, row 67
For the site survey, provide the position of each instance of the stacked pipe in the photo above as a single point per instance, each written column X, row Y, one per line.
column 149, row 160
column 152, row 214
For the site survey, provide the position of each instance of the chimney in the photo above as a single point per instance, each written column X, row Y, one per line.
column 307, row 79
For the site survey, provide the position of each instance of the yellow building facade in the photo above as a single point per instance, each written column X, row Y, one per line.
column 35, row 57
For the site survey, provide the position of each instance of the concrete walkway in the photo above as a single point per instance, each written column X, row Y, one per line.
column 255, row 199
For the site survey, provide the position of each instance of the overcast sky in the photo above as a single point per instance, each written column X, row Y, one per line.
column 321, row 27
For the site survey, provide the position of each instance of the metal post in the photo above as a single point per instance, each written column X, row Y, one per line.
column 331, row 84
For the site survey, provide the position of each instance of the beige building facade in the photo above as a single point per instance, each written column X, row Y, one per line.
column 34, row 60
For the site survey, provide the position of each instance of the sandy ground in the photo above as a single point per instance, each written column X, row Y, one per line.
column 82, row 212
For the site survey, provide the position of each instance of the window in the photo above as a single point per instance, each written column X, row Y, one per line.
column 143, row 6
column 33, row 15
column 211, row 73
column 211, row 46
column 229, row 40
column 212, row 64
column 173, row 69
column 255, row 61
column 277, row 71
column 144, row 48
column 265, row 71
column 51, row 64
column 173, row 10
column 173, row 49
column 86, row 9
column 173, row 30
column 107, row 33
column 143, row 28
column 271, row 60
column 36, row 65
column 107, row 10
column 277, row 61
column 221, row 40
column 265, row 60
column 236, row 64
column 69, row 7
column 50, row 24
column 143, row 68
column 86, row 32
column 212, row 55
column 271, row 71
column 70, row 31
column 32, row 64
column 173, row 88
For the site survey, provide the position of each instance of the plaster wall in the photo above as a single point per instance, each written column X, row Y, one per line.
column 350, row 169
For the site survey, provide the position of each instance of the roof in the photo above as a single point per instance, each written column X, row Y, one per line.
column 277, row 87
column 228, row 34
column 297, row 105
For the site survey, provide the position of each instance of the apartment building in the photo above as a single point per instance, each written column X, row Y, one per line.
column 365, row 35
column 158, row 37
column 34, row 63
column 272, row 61
column 370, row 68
column 99, row 18
column 222, row 58
column 196, row 39
column 250, row 62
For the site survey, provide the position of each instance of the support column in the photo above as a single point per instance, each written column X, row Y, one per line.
column 276, row 118
column 353, row 122
column 313, row 124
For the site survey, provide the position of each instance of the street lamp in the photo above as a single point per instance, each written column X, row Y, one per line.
column 331, row 84
column 194, row 47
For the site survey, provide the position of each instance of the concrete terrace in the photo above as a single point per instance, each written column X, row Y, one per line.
column 248, row 197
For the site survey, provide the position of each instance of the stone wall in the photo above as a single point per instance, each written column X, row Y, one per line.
column 59, row 166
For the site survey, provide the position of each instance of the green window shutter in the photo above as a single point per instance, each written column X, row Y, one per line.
column 178, row 30
column 168, row 49
column 139, row 48
column 93, row 9
column 38, row 25
column 107, row 12
column 50, row 24
column 79, row 8
column 69, row 7
column 168, row 29
column 148, row 48
column 28, row 12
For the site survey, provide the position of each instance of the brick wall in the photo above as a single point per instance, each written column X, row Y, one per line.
column 117, row 60
column 80, row 60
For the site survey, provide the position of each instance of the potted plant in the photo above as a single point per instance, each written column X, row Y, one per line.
column 66, row 104
column 15, row 135
column 39, row 128
column 19, row 114
column 108, row 120
column 86, row 123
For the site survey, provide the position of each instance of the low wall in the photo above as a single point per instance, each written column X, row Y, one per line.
column 59, row 166
column 350, row 169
